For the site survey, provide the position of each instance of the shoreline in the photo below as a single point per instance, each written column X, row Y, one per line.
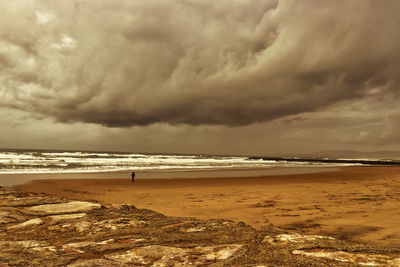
column 22, row 178
column 354, row 203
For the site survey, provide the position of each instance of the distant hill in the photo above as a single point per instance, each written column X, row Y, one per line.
column 355, row 154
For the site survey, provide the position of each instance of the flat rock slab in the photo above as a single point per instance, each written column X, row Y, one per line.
column 28, row 223
column 174, row 256
column 64, row 217
column 62, row 208
column 351, row 257
column 29, row 201
column 96, row 263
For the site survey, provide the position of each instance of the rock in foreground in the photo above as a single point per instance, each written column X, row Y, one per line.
column 39, row 230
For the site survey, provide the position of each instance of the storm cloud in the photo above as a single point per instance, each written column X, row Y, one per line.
column 125, row 63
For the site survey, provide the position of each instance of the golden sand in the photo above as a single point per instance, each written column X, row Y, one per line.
column 356, row 203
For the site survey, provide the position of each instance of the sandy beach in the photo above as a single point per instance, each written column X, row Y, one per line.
column 354, row 203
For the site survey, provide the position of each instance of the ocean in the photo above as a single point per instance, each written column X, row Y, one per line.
column 37, row 162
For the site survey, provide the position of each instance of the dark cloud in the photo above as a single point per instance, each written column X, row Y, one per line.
column 124, row 63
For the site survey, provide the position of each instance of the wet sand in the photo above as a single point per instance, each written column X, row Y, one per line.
column 18, row 178
column 355, row 203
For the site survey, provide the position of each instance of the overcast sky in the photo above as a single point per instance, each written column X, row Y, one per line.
column 200, row 76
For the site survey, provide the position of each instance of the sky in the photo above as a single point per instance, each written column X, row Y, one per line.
column 261, row 77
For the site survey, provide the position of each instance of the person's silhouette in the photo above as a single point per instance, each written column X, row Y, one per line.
column 133, row 176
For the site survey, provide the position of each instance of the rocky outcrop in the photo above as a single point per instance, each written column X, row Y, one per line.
column 64, row 208
column 39, row 230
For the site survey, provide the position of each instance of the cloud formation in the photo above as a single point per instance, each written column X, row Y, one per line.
column 125, row 63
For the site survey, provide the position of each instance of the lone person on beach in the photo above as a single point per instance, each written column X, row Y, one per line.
column 133, row 176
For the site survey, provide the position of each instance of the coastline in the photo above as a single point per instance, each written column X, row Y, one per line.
column 12, row 179
column 354, row 203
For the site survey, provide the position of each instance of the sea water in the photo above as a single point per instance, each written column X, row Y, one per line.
column 28, row 162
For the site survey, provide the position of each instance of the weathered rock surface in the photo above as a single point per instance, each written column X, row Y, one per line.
column 39, row 230
column 31, row 222
column 62, row 208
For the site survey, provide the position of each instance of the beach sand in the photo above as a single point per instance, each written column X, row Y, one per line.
column 354, row 203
